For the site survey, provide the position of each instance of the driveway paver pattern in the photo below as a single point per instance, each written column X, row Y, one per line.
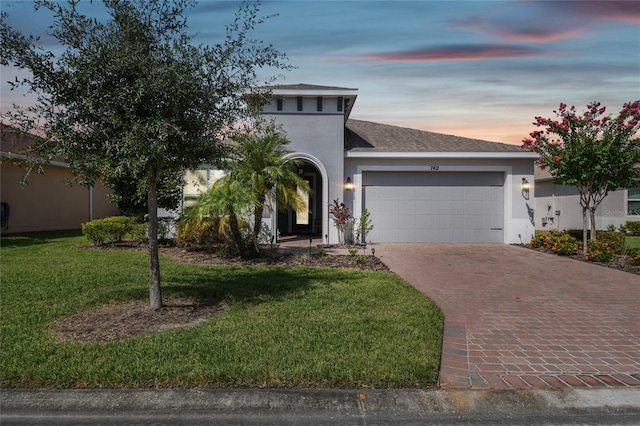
column 517, row 318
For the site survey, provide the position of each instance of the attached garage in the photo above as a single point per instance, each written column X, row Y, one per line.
column 435, row 206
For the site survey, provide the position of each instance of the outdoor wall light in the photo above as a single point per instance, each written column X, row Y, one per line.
column 349, row 185
column 525, row 188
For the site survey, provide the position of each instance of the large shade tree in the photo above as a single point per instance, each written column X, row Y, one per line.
column 594, row 152
column 133, row 95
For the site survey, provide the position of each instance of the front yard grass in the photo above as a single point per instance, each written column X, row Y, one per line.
column 632, row 243
column 282, row 327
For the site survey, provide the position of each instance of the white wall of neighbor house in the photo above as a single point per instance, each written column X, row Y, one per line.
column 518, row 208
column 558, row 208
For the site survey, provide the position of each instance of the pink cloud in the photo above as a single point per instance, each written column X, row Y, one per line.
column 454, row 53
column 537, row 35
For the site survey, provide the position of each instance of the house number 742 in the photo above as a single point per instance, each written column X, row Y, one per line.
column 435, row 168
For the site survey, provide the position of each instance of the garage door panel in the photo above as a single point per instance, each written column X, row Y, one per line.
column 435, row 207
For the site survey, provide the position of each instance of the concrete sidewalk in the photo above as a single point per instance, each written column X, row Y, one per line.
column 517, row 318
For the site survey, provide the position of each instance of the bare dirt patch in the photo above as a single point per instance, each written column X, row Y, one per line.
column 135, row 318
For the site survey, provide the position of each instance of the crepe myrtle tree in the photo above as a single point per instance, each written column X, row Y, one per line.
column 594, row 152
column 133, row 95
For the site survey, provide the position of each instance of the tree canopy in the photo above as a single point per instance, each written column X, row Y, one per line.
column 133, row 96
column 594, row 152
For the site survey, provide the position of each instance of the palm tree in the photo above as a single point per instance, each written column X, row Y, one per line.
column 259, row 173
column 261, row 164
column 227, row 203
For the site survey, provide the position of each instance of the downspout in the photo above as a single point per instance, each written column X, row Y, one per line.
column 90, row 202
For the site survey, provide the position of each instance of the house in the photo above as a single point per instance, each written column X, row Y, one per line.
column 418, row 186
column 47, row 202
column 558, row 206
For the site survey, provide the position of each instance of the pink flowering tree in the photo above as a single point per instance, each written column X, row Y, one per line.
column 594, row 152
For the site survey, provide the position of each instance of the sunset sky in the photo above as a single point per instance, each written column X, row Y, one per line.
column 481, row 69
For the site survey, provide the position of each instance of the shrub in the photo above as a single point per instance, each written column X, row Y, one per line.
column 202, row 234
column 545, row 239
column 110, row 229
column 577, row 233
column 353, row 251
column 631, row 227
column 138, row 232
column 599, row 251
column 616, row 240
column 539, row 241
column 634, row 258
column 565, row 245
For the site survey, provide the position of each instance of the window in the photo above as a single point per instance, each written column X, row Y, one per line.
column 279, row 104
column 340, row 100
column 319, row 103
column 299, row 103
column 633, row 201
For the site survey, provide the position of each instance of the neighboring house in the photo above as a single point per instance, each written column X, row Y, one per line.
column 47, row 202
column 558, row 206
column 417, row 185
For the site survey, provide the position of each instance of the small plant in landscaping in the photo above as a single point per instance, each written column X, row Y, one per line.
column 322, row 252
column 358, row 259
column 599, row 251
column 540, row 241
column 353, row 251
column 341, row 217
column 364, row 227
column 565, row 245
column 634, row 258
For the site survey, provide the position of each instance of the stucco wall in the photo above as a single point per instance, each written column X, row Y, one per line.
column 566, row 199
column 319, row 138
column 48, row 203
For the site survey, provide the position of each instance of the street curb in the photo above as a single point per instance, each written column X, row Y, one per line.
column 355, row 403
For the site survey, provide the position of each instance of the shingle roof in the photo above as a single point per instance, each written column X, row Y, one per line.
column 16, row 142
column 365, row 136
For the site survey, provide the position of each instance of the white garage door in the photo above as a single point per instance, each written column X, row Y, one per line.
column 435, row 206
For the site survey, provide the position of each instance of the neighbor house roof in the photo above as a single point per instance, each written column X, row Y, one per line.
column 365, row 136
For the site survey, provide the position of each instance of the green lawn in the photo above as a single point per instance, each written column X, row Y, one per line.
column 284, row 327
column 632, row 243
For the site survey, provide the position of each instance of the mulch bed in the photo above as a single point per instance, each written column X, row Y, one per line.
column 619, row 262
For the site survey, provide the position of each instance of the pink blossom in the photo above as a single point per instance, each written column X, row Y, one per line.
column 556, row 158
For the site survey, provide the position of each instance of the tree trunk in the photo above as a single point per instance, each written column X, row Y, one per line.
column 257, row 224
column 237, row 234
column 584, row 230
column 155, row 294
column 592, row 216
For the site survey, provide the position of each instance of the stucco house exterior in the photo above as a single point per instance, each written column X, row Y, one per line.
column 418, row 186
column 558, row 206
column 48, row 202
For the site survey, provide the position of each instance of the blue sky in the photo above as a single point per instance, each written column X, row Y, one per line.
column 481, row 69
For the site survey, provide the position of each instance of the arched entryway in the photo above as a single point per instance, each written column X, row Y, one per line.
column 310, row 221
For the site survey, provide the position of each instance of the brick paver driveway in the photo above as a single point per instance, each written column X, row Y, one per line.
column 516, row 318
